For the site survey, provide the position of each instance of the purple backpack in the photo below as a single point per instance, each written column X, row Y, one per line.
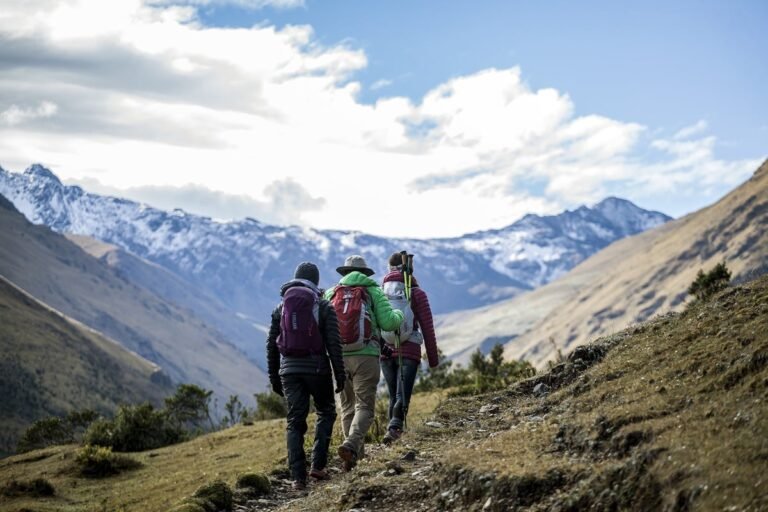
column 299, row 323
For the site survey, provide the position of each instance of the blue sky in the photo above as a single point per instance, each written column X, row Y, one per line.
column 659, row 63
column 471, row 114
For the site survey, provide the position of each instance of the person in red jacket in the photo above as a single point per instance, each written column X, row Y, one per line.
column 422, row 331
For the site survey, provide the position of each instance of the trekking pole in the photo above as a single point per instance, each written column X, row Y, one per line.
column 405, row 258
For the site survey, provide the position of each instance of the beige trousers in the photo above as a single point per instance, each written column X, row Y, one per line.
column 358, row 400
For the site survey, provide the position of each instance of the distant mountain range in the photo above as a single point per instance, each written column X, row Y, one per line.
column 237, row 267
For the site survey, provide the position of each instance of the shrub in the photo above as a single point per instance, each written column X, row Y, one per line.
column 81, row 420
column 269, row 405
column 36, row 488
column 99, row 433
column 253, row 484
column 235, row 411
column 707, row 284
column 46, row 432
column 54, row 430
column 100, row 461
column 493, row 372
column 444, row 375
column 214, row 496
column 189, row 406
column 135, row 428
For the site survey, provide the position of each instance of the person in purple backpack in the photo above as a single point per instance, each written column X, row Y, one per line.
column 303, row 346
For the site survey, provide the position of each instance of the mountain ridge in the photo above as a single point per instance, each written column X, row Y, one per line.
column 243, row 263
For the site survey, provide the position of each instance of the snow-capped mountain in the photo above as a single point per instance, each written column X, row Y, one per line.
column 244, row 262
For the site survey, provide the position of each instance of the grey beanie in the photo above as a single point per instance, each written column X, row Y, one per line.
column 308, row 271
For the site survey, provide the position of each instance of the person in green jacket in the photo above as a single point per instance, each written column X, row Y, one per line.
column 361, row 359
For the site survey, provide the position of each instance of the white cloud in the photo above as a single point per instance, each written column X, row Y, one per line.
column 380, row 84
column 150, row 98
column 15, row 115
column 694, row 129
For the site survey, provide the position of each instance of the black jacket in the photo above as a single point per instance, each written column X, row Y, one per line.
column 318, row 364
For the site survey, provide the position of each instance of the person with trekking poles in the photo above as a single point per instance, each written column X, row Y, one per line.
column 302, row 346
column 402, row 356
column 363, row 311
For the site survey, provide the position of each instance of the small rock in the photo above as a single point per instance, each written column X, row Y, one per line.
column 395, row 466
column 434, row 424
column 409, row 456
column 536, row 419
column 489, row 409
column 541, row 389
column 488, row 503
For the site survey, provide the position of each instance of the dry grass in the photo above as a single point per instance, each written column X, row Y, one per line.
column 167, row 474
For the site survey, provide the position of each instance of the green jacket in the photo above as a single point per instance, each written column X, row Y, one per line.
column 383, row 316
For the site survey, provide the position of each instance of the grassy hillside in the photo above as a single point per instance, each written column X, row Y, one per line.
column 51, row 365
column 167, row 474
column 59, row 273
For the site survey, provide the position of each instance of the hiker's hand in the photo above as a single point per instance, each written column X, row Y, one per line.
column 339, row 385
column 386, row 350
column 277, row 386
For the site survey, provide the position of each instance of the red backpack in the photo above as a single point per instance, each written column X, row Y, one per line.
column 353, row 312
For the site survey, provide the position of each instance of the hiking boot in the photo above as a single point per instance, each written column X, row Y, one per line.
column 348, row 458
column 319, row 474
column 392, row 435
column 299, row 485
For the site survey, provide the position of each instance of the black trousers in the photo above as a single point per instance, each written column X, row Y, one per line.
column 298, row 389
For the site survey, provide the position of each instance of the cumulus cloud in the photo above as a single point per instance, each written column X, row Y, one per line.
column 251, row 120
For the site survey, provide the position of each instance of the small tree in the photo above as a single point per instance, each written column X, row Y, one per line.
column 135, row 428
column 493, row 372
column 46, row 432
column 707, row 284
column 444, row 375
column 234, row 409
column 270, row 405
column 189, row 405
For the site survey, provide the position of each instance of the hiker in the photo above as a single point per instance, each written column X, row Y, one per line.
column 302, row 346
column 402, row 356
column 363, row 311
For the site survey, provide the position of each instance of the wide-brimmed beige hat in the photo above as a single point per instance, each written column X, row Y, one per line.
column 355, row 262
